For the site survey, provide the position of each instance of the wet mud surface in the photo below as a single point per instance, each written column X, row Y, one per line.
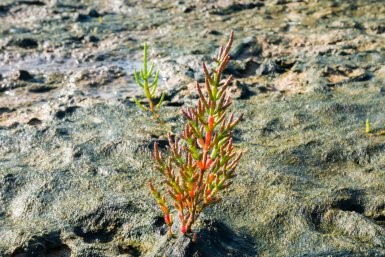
column 75, row 151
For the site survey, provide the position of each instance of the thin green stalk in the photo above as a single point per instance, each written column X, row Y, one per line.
column 142, row 78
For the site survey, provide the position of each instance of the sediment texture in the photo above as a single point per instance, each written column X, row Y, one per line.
column 75, row 152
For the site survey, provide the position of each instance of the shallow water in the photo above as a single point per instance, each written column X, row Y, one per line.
column 43, row 65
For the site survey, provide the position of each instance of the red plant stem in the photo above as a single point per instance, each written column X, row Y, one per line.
column 209, row 152
column 204, row 165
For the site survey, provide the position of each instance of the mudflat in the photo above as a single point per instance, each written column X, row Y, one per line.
column 75, row 151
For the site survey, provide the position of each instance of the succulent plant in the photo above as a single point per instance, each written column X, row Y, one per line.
column 201, row 162
column 142, row 78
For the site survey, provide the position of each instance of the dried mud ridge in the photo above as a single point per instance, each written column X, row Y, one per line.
column 75, row 150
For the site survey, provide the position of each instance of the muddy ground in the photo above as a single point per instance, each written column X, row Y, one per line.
column 75, row 151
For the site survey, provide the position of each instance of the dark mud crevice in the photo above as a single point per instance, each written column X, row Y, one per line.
column 242, row 69
column 249, row 47
column 349, row 205
column 304, row 154
column 66, row 112
column 286, row 64
column 60, row 251
column 70, row 6
column 130, row 250
column 103, row 224
column 316, row 217
column 339, row 109
column 6, row 110
column 169, row 98
column 4, row 9
column 359, row 156
column 236, row 7
column 9, row 184
column 159, row 226
column 215, row 239
column 244, row 92
column 347, row 199
column 270, row 68
column 27, row 43
column 38, row 3
column 34, row 122
column 111, row 147
column 237, row 138
column 378, row 215
column 41, row 89
column 162, row 144
column 48, row 245
column 361, row 78
column 174, row 103
column 85, row 149
column 380, row 219
column 272, row 126
column 101, row 235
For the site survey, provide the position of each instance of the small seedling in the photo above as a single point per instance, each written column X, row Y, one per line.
column 368, row 128
column 142, row 78
column 202, row 160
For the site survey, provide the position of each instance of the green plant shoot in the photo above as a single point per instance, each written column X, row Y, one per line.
column 142, row 78
column 368, row 129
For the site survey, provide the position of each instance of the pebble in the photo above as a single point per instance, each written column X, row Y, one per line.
column 22, row 75
column 93, row 13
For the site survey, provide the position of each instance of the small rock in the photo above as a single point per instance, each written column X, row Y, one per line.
column 269, row 67
column 242, row 68
column 248, row 48
column 94, row 14
column 23, row 75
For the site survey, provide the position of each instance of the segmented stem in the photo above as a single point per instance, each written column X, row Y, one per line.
column 202, row 161
column 142, row 78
